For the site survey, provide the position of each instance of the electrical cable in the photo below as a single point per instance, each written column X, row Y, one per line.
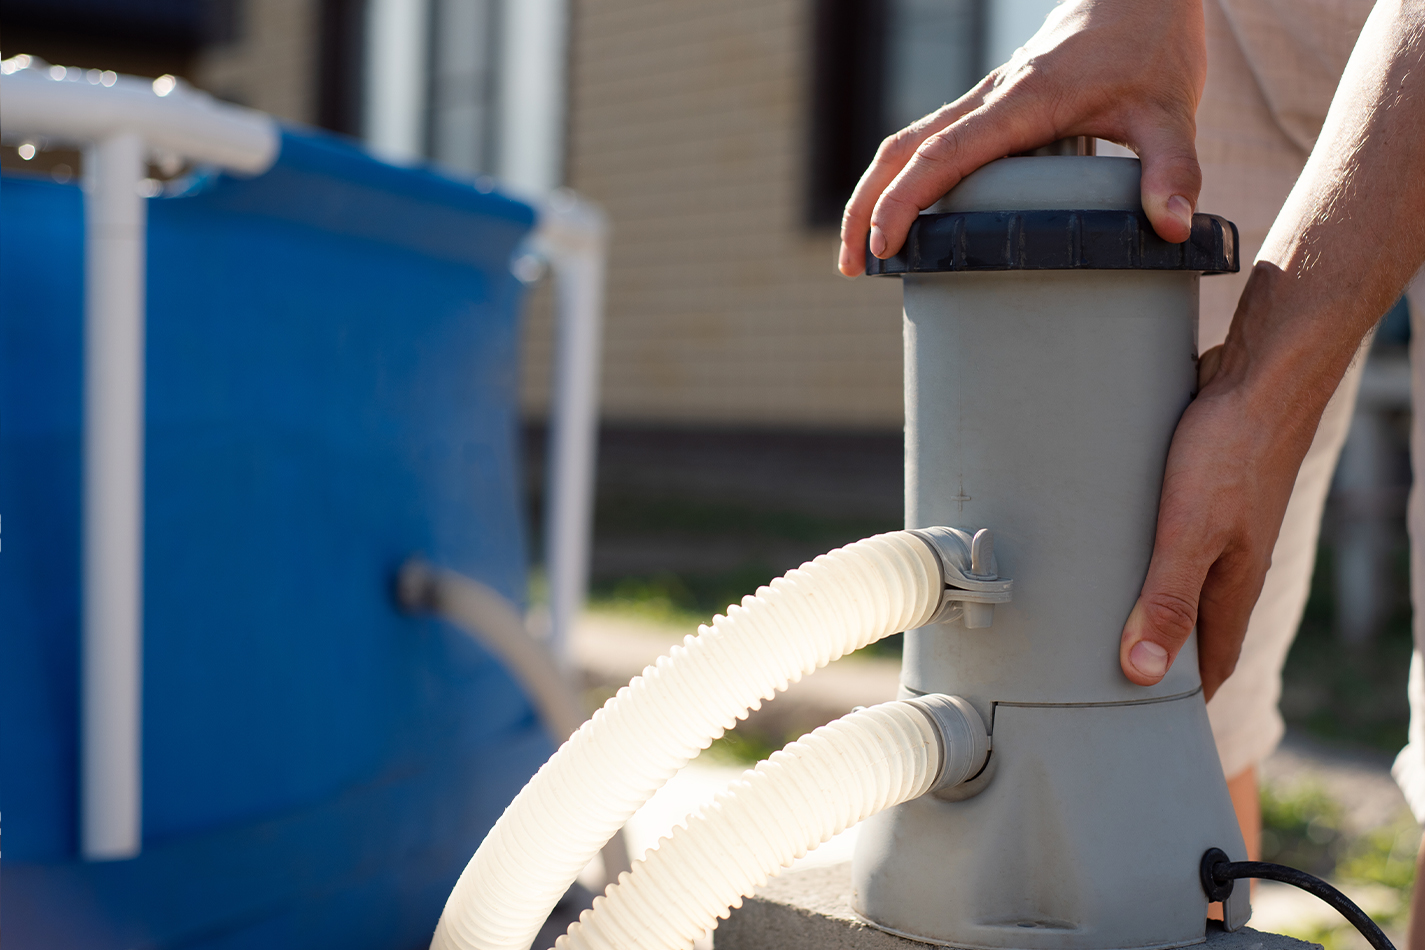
column 1218, row 874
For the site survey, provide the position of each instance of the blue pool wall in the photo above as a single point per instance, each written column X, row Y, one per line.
column 332, row 353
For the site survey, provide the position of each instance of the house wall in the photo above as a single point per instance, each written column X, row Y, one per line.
column 272, row 62
column 688, row 123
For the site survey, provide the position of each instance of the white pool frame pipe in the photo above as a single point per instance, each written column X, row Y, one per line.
column 112, row 601
column 121, row 122
column 573, row 237
column 394, row 94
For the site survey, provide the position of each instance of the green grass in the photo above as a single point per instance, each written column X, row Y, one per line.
column 1383, row 856
column 1350, row 694
column 739, row 748
column 690, row 598
column 1302, row 828
column 686, row 599
column 635, row 515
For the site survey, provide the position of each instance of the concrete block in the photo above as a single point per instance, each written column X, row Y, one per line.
column 811, row 910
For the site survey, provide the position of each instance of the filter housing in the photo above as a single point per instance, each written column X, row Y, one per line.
column 1050, row 351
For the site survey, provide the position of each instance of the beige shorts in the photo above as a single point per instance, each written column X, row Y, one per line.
column 1272, row 66
column 1256, row 124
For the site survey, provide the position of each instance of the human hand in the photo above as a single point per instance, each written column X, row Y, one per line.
column 1336, row 258
column 1130, row 71
column 1229, row 475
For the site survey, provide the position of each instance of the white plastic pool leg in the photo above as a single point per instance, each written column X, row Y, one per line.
column 116, row 122
column 111, row 806
column 574, row 234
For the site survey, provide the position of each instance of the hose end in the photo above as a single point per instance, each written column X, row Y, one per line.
column 415, row 586
column 964, row 741
column 969, row 575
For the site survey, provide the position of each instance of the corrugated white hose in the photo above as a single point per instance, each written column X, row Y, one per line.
column 582, row 796
column 816, row 787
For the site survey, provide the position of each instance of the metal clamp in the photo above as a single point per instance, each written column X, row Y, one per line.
column 972, row 582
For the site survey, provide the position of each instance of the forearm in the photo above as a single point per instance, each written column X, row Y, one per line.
column 1349, row 237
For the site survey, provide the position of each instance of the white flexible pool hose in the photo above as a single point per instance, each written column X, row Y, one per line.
column 616, row 761
column 816, row 787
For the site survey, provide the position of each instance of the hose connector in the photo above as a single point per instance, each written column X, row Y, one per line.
column 972, row 582
column 964, row 741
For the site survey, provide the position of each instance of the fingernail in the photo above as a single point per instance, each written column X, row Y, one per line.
column 843, row 259
column 1148, row 658
column 878, row 242
column 1180, row 208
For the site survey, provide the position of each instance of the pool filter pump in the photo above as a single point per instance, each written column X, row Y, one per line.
column 1049, row 353
column 1021, row 794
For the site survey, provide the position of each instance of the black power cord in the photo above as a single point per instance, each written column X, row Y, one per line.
column 1219, row 872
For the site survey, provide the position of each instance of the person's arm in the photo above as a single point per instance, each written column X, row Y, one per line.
column 1348, row 239
column 1130, row 71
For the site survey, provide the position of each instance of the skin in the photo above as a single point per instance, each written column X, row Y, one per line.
column 1350, row 236
column 1063, row 82
column 1415, row 934
column 1247, row 803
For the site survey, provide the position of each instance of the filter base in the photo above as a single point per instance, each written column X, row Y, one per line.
column 811, row 910
column 1088, row 837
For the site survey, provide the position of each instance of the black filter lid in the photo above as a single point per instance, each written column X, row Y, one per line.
column 1057, row 240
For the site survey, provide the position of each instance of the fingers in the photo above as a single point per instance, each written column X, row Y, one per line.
column 946, row 157
column 1167, row 608
column 1172, row 178
column 1195, row 579
column 1157, row 628
column 914, row 168
column 1228, row 597
column 890, row 159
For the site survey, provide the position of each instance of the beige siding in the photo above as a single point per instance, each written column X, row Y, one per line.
column 272, row 65
column 688, row 124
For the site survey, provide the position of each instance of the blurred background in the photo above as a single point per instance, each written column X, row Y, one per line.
column 751, row 400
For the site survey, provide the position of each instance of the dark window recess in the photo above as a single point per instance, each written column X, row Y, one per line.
column 877, row 66
column 184, row 24
column 343, row 40
column 847, row 76
column 139, row 37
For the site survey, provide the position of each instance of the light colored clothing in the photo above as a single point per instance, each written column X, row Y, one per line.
column 1273, row 66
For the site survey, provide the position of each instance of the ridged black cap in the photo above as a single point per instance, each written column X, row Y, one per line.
column 1057, row 240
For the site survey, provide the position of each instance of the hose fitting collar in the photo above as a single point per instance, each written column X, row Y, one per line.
column 970, row 574
column 964, row 741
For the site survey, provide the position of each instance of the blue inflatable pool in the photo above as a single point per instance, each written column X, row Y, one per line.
column 331, row 385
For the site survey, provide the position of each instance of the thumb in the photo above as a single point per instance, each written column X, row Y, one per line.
column 1172, row 179
column 1161, row 621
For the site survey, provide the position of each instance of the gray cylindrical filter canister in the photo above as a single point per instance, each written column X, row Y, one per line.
column 1049, row 353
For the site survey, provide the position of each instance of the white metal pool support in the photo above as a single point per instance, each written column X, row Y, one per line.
column 112, row 602
column 120, row 122
column 531, row 108
column 394, row 82
column 573, row 235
